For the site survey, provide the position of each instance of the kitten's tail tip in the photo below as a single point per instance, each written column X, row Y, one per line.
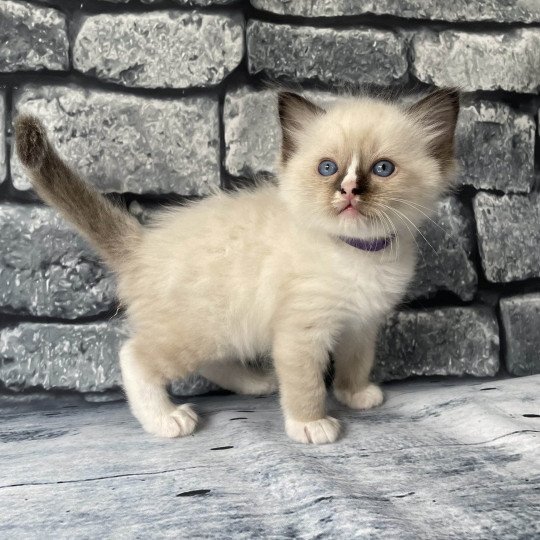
column 31, row 141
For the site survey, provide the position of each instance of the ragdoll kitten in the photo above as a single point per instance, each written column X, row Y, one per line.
column 297, row 269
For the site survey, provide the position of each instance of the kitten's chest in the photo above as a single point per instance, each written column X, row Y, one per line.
column 371, row 284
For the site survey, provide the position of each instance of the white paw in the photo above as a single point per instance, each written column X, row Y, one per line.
column 178, row 423
column 367, row 398
column 325, row 430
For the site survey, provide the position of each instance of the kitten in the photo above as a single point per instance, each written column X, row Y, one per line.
column 297, row 269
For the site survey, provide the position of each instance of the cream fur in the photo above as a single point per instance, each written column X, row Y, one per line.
column 263, row 272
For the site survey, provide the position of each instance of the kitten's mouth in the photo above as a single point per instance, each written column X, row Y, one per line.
column 351, row 211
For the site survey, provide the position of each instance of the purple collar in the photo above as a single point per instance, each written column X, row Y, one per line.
column 375, row 244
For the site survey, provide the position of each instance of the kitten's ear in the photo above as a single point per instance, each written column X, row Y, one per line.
column 438, row 113
column 295, row 112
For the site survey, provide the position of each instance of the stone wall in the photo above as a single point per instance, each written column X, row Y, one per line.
column 159, row 100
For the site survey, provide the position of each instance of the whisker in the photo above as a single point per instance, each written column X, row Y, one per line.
column 379, row 219
column 419, row 232
column 423, row 213
column 410, row 232
column 393, row 248
column 393, row 228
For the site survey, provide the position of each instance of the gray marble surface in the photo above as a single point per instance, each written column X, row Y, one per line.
column 440, row 459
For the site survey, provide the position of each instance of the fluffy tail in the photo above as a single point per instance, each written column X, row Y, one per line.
column 112, row 230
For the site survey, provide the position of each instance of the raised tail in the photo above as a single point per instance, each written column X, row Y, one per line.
column 112, row 231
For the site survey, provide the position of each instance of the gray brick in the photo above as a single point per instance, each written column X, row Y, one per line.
column 82, row 357
column 359, row 55
column 46, row 269
column 445, row 341
column 521, row 323
column 459, row 10
column 125, row 143
column 79, row 357
column 202, row 3
column 3, row 164
column 508, row 229
column 496, row 147
column 195, row 3
column 162, row 49
column 507, row 60
column 448, row 265
column 252, row 132
column 32, row 37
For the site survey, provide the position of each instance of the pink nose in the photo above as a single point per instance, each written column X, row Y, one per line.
column 349, row 189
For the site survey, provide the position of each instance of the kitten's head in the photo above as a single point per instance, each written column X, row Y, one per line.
column 366, row 166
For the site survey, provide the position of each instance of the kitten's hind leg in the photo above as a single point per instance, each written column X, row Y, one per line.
column 240, row 378
column 146, row 391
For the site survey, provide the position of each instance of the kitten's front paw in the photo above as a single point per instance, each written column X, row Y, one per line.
column 325, row 430
column 367, row 398
column 180, row 422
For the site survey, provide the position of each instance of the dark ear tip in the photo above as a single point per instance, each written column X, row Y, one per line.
column 31, row 140
column 450, row 94
column 284, row 97
column 453, row 94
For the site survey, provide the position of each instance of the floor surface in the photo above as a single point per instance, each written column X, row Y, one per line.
column 440, row 459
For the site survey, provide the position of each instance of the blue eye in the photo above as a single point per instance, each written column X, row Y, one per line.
column 383, row 168
column 327, row 167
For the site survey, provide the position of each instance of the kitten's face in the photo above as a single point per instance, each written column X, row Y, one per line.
column 366, row 168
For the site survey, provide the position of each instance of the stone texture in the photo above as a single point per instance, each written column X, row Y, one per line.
column 507, row 61
column 82, row 357
column 520, row 317
column 3, row 164
column 162, row 49
column 64, row 357
column 508, row 229
column 359, row 55
column 445, row 341
column 46, row 269
column 458, row 10
column 495, row 146
column 32, row 38
column 125, row 143
column 447, row 265
column 252, row 132
column 196, row 3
